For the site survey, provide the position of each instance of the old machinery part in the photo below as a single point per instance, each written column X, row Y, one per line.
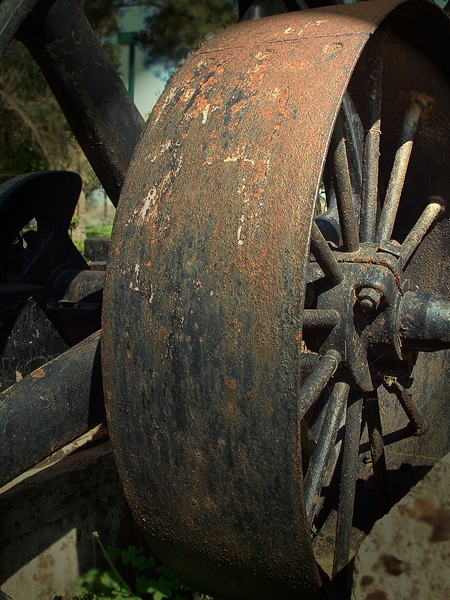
column 49, row 197
column 46, row 256
column 12, row 14
column 49, row 301
column 49, row 298
column 286, row 203
column 28, row 260
column 50, row 407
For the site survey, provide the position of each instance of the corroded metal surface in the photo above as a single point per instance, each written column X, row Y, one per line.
column 204, row 299
column 50, row 407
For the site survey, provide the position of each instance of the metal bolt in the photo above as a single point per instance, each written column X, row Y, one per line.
column 369, row 299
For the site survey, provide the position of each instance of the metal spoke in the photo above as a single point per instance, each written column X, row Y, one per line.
column 372, row 152
column 318, row 468
column 372, row 414
column 435, row 207
column 344, row 192
column 324, row 256
column 398, row 173
column 417, row 422
column 320, row 318
column 317, row 381
column 328, row 184
column 354, row 141
column 332, row 461
column 347, row 488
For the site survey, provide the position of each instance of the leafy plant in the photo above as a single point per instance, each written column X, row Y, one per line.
column 142, row 579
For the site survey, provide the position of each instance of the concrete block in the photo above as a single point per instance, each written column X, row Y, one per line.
column 47, row 520
column 407, row 554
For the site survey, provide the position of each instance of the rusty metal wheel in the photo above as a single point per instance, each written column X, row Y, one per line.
column 223, row 277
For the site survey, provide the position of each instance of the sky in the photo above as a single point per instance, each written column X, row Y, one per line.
column 149, row 83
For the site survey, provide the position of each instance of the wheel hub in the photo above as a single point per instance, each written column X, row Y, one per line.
column 382, row 315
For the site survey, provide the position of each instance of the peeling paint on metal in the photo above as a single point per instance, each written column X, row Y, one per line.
column 38, row 373
column 150, row 200
column 313, row 24
column 205, row 112
column 171, row 93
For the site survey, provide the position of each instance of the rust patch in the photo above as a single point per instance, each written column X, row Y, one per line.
column 377, row 595
column 392, row 565
column 38, row 373
column 231, row 384
column 425, row 511
column 441, row 525
column 366, row 580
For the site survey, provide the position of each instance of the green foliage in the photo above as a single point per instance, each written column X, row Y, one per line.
column 102, row 15
column 94, row 231
column 176, row 27
column 73, row 222
column 79, row 245
column 148, row 580
column 34, row 134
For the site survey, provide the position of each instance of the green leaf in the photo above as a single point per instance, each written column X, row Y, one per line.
column 89, row 577
column 175, row 582
column 143, row 584
column 152, row 584
column 108, row 579
column 165, row 587
column 160, row 589
column 165, row 571
column 140, row 562
column 136, row 558
column 130, row 554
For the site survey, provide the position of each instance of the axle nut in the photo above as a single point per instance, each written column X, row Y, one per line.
column 369, row 299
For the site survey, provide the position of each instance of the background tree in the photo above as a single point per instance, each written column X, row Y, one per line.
column 33, row 130
column 176, row 27
column 34, row 134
